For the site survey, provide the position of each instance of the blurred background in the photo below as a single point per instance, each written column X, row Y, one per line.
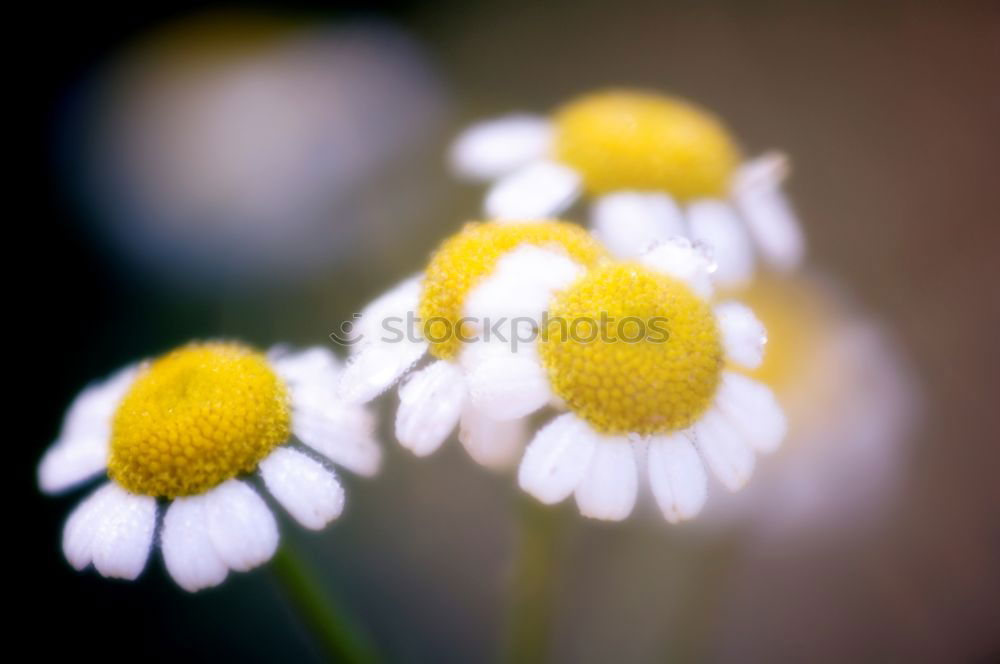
column 263, row 171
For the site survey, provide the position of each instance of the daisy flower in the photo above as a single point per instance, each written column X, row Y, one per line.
column 654, row 166
column 852, row 401
column 640, row 361
column 183, row 431
column 453, row 308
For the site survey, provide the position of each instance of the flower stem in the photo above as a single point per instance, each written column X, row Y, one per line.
column 531, row 596
column 331, row 626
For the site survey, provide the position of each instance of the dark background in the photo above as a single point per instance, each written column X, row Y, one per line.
column 891, row 111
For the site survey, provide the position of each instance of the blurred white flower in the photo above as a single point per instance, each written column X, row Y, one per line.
column 239, row 148
column 851, row 401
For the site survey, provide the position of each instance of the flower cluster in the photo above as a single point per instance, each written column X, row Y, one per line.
column 198, row 433
column 675, row 213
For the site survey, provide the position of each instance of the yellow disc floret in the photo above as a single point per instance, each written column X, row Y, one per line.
column 632, row 351
column 465, row 258
column 196, row 417
column 642, row 141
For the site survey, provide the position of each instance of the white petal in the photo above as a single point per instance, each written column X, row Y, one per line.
column 538, row 191
column 557, row 459
column 310, row 492
column 93, row 408
column 78, row 533
column 374, row 368
column 716, row 224
column 384, row 343
column 751, row 408
column 743, row 335
column 309, row 366
column 343, row 432
column 474, row 353
column 430, row 403
column 496, row 147
column 520, row 287
column 629, row 223
column 188, row 551
column 681, row 259
column 489, row 442
column 677, row 477
column 67, row 464
column 724, row 449
column 769, row 217
column 125, row 535
column 370, row 325
column 506, row 386
column 608, row 489
column 240, row 525
column 113, row 529
column 82, row 448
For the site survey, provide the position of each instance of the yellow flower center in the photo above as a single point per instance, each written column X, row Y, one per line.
column 196, row 417
column 632, row 351
column 640, row 141
column 464, row 259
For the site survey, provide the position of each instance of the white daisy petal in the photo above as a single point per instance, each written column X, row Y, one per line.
column 677, row 477
column 743, row 335
column 397, row 302
column 508, row 386
column 374, row 368
column 520, row 287
column 82, row 448
column 630, row 222
column 769, row 217
column 310, row 492
column 496, row 147
column 716, row 224
column 188, row 551
column 537, row 191
column 489, row 442
column 124, row 535
column 608, row 489
column 681, row 259
column 725, row 451
column 474, row 353
column 751, row 408
column 310, row 366
column 78, row 533
column 557, row 459
column 93, row 408
column 240, row 525
column 113, row 529
column 383, row 345
column 430, row 403
column 68, row 464
column 343, row 432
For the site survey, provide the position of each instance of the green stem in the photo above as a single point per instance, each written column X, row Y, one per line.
column 531, row 597
column 328, row 622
